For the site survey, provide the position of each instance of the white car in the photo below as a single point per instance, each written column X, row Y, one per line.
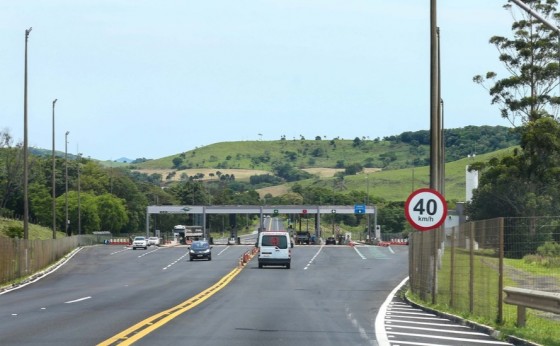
column 140, row 242
column 153, row 241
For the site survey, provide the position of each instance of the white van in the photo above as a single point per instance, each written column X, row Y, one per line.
column 275, row 248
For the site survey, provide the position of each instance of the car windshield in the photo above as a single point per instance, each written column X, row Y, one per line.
column 199, row 246
column 275, row 240
column 139, row 238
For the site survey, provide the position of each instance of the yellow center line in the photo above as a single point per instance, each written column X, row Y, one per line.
column 145, row 327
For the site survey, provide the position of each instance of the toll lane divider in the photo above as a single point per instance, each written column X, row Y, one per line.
column 145, row 327
column 247, row 256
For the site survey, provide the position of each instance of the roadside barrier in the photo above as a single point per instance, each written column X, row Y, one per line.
column 118, row 241
column 399, row 242
column 247, row 256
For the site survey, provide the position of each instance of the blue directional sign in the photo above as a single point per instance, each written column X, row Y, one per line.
column 359, row 209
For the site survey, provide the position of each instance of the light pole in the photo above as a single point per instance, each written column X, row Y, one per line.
column 53, row 178
column 79, row 201
column 66, row 178
column 367, row 202
column 25, row 163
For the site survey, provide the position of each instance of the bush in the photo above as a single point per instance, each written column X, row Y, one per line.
column 15, row 232
column 549, row 249
column 548, row 255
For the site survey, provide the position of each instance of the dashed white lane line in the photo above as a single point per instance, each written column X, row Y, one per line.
column 219, row 253
column 313, row 258
column 359, row 253
column 149, row 252
column 77, row 300
column 176, row 261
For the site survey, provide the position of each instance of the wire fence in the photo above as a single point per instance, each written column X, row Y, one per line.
column 466, row 267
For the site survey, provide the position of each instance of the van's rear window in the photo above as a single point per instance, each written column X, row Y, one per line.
column 275, row 240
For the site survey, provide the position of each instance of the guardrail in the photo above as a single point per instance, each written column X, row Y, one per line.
column 526, row 298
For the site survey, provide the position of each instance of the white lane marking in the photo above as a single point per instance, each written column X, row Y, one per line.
column 312, row 259
column 356, row 324
column 474, row 341
column 77, row 300
column 176, row 261
column 391, row 249
column 380, row 333
column 443, row 325
column 123, row 250
column 14, row 314
column 149, row 252
column 219, row 253
column 359, row 253
column 438, row 330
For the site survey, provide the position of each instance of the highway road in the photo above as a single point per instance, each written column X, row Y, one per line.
column 110, row 295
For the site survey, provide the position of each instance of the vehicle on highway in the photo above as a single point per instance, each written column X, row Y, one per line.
column 274, row 249
column 153, row 241
column 200, row 249
column 140, row 242
column 303, row 237
column 330, row 241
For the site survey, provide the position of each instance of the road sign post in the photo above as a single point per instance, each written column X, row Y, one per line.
column 425, row 209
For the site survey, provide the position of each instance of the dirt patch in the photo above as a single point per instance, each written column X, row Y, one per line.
column 330, row 172
column 275, row 191
column 240, row 174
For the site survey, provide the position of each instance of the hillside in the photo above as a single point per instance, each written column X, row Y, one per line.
column 395, row 185
column 409, row 149
column 393, row 166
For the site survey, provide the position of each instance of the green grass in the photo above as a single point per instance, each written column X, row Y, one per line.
column 35, row 231
column 396, row 185
column 540, row 330
column 241, row 154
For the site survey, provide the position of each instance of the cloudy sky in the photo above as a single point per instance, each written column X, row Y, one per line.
column 146, row 78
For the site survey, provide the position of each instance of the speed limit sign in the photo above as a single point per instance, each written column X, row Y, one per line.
column 425, row 209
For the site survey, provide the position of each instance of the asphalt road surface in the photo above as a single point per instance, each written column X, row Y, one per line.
column 112, row 295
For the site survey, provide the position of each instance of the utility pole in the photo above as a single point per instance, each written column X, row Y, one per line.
column 53, row 177
column 25, row 145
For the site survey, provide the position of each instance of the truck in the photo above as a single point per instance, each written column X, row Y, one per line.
column 303, row 237
column 187, row 234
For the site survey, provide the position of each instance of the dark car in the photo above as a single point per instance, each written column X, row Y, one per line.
column 200, row 249
column 330, row 241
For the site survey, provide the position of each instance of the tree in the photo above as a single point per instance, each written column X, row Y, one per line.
column 526, row 183
column 531, row 58
column 112, row 213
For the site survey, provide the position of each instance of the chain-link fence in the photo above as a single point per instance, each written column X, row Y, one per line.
column 467, row 267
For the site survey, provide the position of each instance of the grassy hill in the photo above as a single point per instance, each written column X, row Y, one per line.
column 35, row 231
column 393, row 166
column 301, row 153
column 396, row 185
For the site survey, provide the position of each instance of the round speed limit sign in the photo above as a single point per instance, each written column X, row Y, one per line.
column 425, row 209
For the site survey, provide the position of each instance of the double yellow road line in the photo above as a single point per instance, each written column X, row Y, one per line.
column 145, row 327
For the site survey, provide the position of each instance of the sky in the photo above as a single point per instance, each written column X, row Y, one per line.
column 149, row 79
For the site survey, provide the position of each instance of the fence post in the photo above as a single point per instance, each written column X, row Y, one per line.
column 471, row 265
column 500, row 317
column 452, row 269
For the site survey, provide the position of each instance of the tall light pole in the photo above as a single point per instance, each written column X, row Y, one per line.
column 66, row 178
column 25, row 163
column 367, row 202
column 53, row 177
column 79, row 200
